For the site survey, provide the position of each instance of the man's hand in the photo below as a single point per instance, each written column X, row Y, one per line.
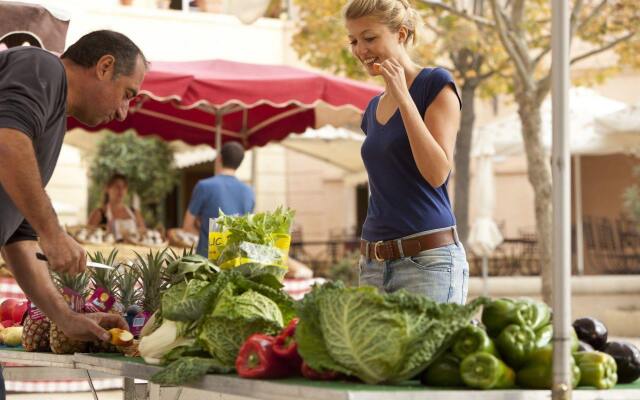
column 64, row 253
column 92, row 326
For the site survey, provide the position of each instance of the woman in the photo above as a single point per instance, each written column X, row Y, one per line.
column 120, row 219
column 409, row 239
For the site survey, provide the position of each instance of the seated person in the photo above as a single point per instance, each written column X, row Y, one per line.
column 118, row 218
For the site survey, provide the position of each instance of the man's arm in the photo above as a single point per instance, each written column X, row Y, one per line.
column 20, row 178
column 33, row 277
column 190, row 223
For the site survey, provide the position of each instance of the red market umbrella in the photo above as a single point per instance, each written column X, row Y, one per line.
column 252, row 103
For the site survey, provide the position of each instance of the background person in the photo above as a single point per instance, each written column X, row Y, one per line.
column 221, row 192
column 119, row 218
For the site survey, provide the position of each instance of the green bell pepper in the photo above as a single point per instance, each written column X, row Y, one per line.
column 486, row 371
column 472, row 339
column 597, row 369
column 444, row 371
column 515, row 343
column 544, row 335
column 575, row 342
column 532, row 314
column 497, row 315
column 537, row 372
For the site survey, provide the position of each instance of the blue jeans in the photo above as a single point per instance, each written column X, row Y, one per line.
column 441, row 274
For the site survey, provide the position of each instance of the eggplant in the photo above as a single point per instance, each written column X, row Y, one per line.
column 584, row 346
column 592, row 331
column 627, row 358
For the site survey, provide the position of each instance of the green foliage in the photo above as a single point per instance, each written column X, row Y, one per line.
column 321, row 39
column 146, row 162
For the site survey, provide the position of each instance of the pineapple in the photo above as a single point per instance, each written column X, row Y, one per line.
column 153, row 279
column 35, row 334
column 107, row 280
column 61, row 344
column 129, row 292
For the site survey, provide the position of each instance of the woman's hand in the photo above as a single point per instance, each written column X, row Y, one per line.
column 395, row 80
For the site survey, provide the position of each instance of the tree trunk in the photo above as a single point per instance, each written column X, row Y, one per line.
column 539, row 171
column 462, row 158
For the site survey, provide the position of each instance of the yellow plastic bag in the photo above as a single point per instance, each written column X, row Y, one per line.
column 217, row 240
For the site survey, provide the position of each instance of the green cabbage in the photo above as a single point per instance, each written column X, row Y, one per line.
column 188, row 369
column 188, row 301
column 378, row 338
column 234, row 319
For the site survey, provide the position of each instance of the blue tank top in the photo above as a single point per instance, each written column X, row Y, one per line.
column 402, row 202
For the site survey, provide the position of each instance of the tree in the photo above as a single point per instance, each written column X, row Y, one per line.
column 146, row 162
column 524, row 27
column 469, row 50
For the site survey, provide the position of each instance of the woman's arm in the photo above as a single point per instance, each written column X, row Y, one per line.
column 432, row 137
column 95, row 218
column 140, row 221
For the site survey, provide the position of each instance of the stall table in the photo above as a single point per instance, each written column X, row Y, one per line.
column 302, row 389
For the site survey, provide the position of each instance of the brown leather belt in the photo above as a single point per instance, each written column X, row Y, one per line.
column 393, row 249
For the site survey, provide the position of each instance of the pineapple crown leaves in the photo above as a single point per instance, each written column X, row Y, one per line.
column 172, row 255
column 79, row 283
column 153, row 277
column 129, row 292
column 99, row 257
column 105, row 278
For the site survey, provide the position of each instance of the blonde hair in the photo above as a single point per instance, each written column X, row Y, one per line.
column 393, row 13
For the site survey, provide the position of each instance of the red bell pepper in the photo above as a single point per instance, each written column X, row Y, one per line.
column 286, row 346
column 316, row 375
column 256, row 359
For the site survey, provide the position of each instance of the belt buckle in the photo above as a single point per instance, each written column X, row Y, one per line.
column 375, row 251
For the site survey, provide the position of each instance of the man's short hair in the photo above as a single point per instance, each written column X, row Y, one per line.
column 232, row 154
column 88, row 50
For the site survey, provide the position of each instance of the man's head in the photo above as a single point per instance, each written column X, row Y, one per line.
column 232, row 154
column 111, row 69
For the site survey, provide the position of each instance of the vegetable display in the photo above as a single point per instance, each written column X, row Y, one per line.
column 377, row 338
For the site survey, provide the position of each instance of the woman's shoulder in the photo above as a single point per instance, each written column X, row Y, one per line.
column 436, row 75
column 434, row 79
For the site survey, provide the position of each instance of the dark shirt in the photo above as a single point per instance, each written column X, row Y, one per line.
column 33, row 96
column 402, row 202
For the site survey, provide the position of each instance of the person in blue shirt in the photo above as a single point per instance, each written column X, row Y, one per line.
column 409, row 240
column 221, row 192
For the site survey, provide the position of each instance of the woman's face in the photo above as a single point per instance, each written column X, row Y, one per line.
column 373, row 42
column 117, row 191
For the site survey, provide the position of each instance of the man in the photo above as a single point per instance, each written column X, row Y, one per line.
column 221, row 192
column 93, row 81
